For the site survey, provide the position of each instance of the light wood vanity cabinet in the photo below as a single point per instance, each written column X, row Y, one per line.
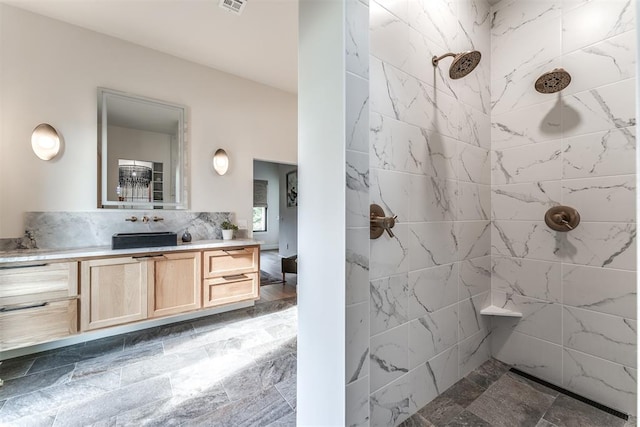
column 175, row 283
column 113, row 292
column 38, row 303
column 231, row 275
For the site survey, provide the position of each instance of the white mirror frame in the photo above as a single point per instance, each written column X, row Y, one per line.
column 182, row 190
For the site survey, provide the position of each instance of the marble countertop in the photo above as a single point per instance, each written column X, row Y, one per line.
column 37, row 255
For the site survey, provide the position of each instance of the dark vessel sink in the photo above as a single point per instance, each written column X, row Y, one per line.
column 143, row 240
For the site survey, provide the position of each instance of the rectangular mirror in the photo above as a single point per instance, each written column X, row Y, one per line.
column 141, row 152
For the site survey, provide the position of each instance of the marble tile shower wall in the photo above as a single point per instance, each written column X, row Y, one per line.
column 429, row 155
column 576, row 290
column 357, row 215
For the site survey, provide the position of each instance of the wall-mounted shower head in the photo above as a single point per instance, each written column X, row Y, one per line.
column 553, row 81
column 463, row 63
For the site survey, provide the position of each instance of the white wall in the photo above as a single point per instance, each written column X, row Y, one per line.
column 51, row 72
column 321, row 210
column 268, row 171
column 288, row 239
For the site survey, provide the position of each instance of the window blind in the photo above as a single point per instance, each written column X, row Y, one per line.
column 260, row 193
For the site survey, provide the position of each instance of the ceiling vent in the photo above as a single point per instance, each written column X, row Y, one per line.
column 235, row 6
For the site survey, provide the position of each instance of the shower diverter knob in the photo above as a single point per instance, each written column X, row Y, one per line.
column 562, row 218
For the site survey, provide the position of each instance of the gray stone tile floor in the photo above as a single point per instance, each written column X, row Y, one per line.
column 236, row 368
column 491, row 396
column 239, row 369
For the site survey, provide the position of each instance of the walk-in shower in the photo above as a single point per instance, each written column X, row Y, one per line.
column 463, row 63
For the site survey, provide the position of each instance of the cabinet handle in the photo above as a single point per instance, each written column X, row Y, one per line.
column 22, row 266
column 235, row 277
column 236, row 251
column 147, row 257
column 24, row 307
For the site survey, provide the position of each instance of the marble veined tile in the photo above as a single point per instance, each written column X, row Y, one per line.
column 604, row 108
column 475, row 277
column 610, row 337
column 357, row 342
column 611, row 152
column 357, row 40
column 400, row 8
column 357, row 403
column 601, row 244
column 527, row 201
column 432, row 199
column 432, row 288
column 431, row 334
column 600, row 289
column 535, row 279
column 432, row 244
column 532, row 355
column 437, row 20
column 602, row 198
column 529, row 125
column 474, row 351
column 601, row 64
column 423, row 390
column 357, row 183
column 545, row 29
column 390, row 255
column 419, row 63
column 605, row 382
column 391, row 191
column 531, row 240
column 389, row 356
column 474, row 202
column 475, row 126
column 540, row 319
column 595, row 21
column 357, row 265
column 474, row 164
column 389, row 303
column 474, row 239
column 443, row 368
column 470, row 321
column 357, row 113
column 392, row 404
column 388, row 37
column 512, row 16
column 531, row 163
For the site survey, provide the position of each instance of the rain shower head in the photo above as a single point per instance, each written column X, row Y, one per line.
column 463, row 63
column 553, row 81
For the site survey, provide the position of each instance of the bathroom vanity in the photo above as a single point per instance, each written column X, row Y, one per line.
column 51, row 295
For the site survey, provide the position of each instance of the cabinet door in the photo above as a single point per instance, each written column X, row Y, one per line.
column 176, row 283
column 113, row 292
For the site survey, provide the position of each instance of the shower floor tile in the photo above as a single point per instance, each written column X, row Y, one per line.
column 491, row 396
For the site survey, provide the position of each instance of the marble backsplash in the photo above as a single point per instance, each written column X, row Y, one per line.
column 68, row 230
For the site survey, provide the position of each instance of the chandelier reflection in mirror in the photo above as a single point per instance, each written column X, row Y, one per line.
column 134, row 181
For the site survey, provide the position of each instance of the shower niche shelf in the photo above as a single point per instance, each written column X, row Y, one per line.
column 494, row 310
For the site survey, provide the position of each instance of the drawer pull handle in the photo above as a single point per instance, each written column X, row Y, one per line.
column 24, row 307
column 235, row 277
column 149, row 257
column 235, row 251
column 23, row 266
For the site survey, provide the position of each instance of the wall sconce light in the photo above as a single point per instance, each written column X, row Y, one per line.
column 221, row 162
column 45, row 141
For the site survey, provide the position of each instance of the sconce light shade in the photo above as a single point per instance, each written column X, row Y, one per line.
column 221, row 162
column 45, row 141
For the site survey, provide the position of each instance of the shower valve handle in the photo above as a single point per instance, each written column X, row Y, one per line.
column 379, row 223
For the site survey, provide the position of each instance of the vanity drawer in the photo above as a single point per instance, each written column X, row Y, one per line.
column 231, row 261
column 23, row 324
column 25, row 284
column 229, row 289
